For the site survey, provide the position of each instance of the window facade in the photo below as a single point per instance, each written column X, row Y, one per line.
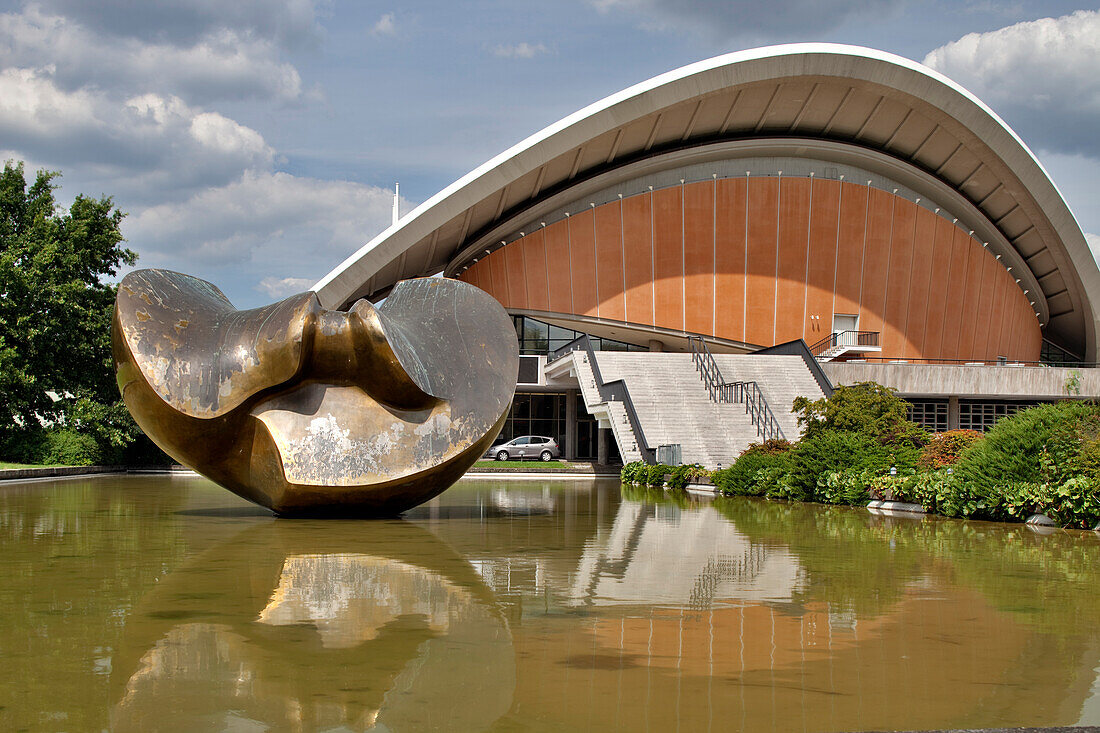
column 930, row 414
column 538, row 338
column 983, row 414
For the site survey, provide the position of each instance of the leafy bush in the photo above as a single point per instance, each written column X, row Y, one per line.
column 1041, row 444
column 69, row 448
column 654, row 475
column 843, row 487
column 771, row 446
column 630, row 472
column 866, row 408
column 836, row 450
column 682, row 475
column 740, row 479
column 944, row 449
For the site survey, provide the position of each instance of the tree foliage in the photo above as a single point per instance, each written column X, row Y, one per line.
column 55, row 310
column 867, row 408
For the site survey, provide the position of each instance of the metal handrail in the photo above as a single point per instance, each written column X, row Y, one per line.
column 609, row 392
column 756, row 405
column 709, row 372
column 845, row 338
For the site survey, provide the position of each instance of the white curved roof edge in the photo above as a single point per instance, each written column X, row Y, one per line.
column 657, row 82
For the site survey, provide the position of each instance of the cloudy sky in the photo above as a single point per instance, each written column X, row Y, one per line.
column 255, row 143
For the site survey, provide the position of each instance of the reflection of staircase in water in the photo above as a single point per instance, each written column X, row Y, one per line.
column 688, row 558
column 748, row 565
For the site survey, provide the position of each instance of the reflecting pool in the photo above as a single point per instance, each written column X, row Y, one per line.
column 138, row 603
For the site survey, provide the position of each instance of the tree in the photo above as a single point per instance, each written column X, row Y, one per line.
column 867, row 408
column 55, row 311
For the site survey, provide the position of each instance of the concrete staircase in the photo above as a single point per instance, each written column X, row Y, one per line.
column 673, row 405
column 610, row 413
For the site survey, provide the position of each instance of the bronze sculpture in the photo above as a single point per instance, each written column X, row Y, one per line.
column 306, row 410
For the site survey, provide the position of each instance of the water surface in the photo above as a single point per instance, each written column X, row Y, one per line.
column 165, row 603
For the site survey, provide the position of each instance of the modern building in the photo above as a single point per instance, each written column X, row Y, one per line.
column 843, row 197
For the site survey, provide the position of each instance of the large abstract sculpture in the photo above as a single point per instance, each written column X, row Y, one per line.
column 306, row 410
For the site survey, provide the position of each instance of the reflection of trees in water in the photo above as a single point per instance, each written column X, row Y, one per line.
column 77, row 555
column 863, row 563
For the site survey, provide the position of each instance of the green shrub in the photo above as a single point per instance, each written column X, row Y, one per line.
column 866, row 408
column 630, row 472
column 1046, row 444
column 771, row 446
column 944, row 449
column 682, row 475
column 654, row 475
column 740, row 479
column 836, row 450
column 843, row 487
column 69, row 448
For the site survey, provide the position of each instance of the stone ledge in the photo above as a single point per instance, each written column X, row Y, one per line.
column 18, row 474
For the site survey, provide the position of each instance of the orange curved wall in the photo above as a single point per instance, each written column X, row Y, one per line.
column 767, row 260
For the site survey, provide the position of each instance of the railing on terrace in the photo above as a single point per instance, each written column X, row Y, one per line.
column 748, row 393
column 902, row 361
column 845, row 339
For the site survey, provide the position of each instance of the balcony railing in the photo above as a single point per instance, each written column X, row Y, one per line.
column 842, row 341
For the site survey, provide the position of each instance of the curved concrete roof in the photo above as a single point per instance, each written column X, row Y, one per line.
column 859, row 97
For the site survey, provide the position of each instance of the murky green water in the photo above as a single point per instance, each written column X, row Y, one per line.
column 166, row 603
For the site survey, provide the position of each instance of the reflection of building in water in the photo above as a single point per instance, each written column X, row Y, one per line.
column 349, row 598
column 659, row 554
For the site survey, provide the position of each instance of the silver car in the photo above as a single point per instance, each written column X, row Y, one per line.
column 527, row 446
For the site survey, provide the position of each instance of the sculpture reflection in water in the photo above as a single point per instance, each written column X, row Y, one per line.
column 345, row 632
column 306, row 410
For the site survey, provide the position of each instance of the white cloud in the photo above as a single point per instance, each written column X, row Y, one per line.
column 221, row 64
column 281, row 287
column 290, row 23
column 746, row 18
column 148, row 144
column 1043, row 76
column 386, row 25
column 293, row 225
column 522, row 50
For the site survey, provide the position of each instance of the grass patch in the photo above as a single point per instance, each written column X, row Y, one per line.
column 531, row 465
column 5, row 465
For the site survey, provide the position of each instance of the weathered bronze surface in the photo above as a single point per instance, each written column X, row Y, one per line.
column 306, row 410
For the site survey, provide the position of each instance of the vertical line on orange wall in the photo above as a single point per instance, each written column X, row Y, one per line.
column 1010, row 349
column 714, row 257
column 683, row 263
column 863, row 252
column 569, row 247
column 652, row 262
column 622, row 255
column 745, row 279
column 970, row 243
column 947, row 289
column 836, row 248
column 806, row 277
column 546, row 268
column 595, row 261
column 523, row 262
column 908, row 305
column 778, row 222
column 889, row 256
column 981, row 294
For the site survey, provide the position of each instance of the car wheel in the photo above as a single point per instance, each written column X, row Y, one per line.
column 502, row 456
column 545, row 455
